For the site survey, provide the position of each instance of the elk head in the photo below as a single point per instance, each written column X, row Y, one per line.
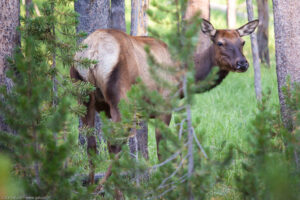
column 228, row 45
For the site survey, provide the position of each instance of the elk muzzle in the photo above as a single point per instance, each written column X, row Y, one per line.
column 242, row 65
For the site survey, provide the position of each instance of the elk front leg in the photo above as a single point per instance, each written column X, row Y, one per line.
column 89, row 121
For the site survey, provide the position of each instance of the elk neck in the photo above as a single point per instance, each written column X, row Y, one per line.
column 204, row 62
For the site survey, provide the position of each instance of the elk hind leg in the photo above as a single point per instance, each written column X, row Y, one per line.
column 89, row 121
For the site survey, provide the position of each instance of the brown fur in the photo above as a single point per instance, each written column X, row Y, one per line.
column 232, row 49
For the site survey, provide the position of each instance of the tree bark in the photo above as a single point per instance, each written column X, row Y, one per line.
column 139, row 21
column 254, row 46
column 287, row 43
column 263, row 31
column 94, row 14
column 141, row 138
column 117, row 18
column 193, row 7
column 231, row 14
column 138, row 27
column 9, row 39
column 28, row 4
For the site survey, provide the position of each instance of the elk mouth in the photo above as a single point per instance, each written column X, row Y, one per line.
column 235, row 68
column 226, row 64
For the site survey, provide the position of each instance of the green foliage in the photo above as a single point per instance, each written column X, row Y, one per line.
column 271, row 169
column 37, row 110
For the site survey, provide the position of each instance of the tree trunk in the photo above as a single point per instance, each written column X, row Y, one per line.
column 141, row 138
column 287, row 43
column 139, row 21
column 94, row 14
column 28, row 4
column 231, row 14
column 193, row 7
column 9, row 39
column 263, row 31
column 117, row 20
column 138, row 27
column 254, row 46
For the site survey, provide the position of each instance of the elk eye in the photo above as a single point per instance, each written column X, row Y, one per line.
column 219, row 44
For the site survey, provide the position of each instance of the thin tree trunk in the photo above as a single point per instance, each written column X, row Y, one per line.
column 193, row 7
column 9, row 39
column 139, row 21
column 263, row 31
column 142, row 141
column 231, row 14
column 190, row 139
column 254, row 46
column 287, row 43
column 190, row 147
column 117, row 18
column 28, row 4
column 53, row 66
column 138, row 27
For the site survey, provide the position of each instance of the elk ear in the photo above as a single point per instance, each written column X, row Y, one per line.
column 248, row 28
column 207, row 28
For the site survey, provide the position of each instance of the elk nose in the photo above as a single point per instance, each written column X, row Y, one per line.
column 242, row 65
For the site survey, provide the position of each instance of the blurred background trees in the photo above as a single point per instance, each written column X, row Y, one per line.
column 231, row 14
column 263, row 31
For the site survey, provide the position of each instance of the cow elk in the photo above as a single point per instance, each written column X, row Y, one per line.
column 122, row 59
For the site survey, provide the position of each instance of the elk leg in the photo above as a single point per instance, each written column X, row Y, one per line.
column 115, row 148
column 89, row 121
column 112, row 148
column 115, row 117
column 166, row 119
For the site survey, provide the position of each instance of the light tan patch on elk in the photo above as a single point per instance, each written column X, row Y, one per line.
column 103, row 48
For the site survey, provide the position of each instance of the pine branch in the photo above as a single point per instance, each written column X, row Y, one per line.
column 162, row 185
column 198, row 143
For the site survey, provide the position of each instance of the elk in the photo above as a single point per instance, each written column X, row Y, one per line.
column 122, row 59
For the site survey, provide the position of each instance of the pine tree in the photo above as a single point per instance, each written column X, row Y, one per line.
column 38, row 106
column 269, row 170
